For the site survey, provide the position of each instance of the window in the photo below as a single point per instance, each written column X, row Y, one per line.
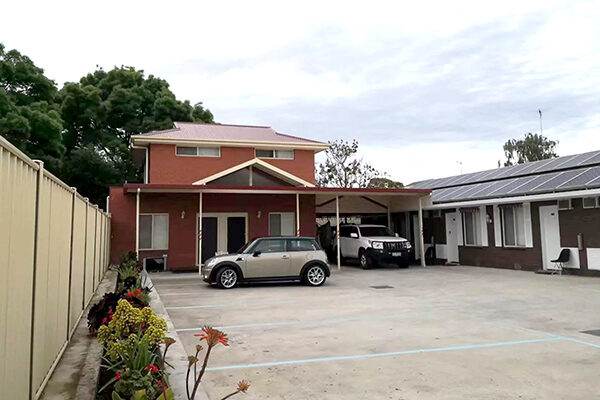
column 471, row 227
column 513, row 226
column 302, row 245
column 198, row 151
column 281, row 224
column 283, row 154
column 345, row 231
column 154, row 231
column 373, row 231
column 590, row 202
column 564, row 204
column 270, row 246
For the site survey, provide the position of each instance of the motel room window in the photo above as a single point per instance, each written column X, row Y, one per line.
column 471, row 226
column 198, row 151
column 154, row 232
column 513, row 226
column 591, row 202
column 282, row 154
column 565, row 204
column 282, row 224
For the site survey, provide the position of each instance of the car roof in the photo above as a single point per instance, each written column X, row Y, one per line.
column 284, row 237
column 365, row 225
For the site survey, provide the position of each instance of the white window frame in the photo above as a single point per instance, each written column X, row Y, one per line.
column 281, row 220
column 477, row 228
column 502, row 226
column 199, row 155
column 275, row 154
column 152, row 233
column 596, row 202
column 562, row 208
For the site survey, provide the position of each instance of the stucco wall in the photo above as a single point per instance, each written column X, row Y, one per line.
column 166, row 167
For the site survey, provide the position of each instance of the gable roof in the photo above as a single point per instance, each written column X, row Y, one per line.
column 224, row 134
column 262, row 165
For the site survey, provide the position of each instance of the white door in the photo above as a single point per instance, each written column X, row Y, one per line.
column 451, row 237
column 550, row 230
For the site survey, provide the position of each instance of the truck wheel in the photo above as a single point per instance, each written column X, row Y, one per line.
column 365, row 260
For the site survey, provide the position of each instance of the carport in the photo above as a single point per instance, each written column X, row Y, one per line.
column 360, row 201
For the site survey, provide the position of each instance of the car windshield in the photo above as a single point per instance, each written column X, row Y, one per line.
column 245, row 247
column 373, row 231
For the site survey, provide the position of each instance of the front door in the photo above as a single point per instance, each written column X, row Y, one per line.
column 550, row 230
column 236, row 233
column 451, row 237
column 269, row 258
column 209, row 237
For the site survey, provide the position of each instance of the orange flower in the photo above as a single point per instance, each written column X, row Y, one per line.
column 213, row 336
column 243, row 386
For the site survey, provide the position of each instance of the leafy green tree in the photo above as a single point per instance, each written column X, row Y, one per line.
column 385, row 183
column 342, row 168
column 29, row 117
column 102, row 111
column 532, row 147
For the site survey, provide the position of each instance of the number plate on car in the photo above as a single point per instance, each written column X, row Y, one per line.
column 396, row 254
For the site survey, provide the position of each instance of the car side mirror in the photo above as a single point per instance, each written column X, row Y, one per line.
column 395, row 234
column 354, row 235
column 256, row 254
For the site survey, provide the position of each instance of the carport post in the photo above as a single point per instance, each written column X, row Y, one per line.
column 200, row 233
column 421, row 239
column 297, row 214
column 137, row 223
column 389, row 217
column 337, row 231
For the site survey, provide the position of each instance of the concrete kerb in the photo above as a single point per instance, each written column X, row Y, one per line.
column 176, row 355
column 76, row 375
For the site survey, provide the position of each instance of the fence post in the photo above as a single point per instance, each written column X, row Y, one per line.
column 74, row 190
column 38, row 190
column 87, row 206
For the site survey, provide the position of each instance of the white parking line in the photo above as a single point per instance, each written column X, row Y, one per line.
column 198, row 306
column 388, row 354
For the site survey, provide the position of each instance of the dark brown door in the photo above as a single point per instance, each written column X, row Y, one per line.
column 209, row 237
column 236, row 233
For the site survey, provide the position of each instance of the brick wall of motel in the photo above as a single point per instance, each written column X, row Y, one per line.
column 182, row 231
column 585, row 221
column 166, row 167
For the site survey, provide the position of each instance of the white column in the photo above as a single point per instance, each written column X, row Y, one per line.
column 297, row 214
column 199, row 232
column 137, row 223
column 337, row 231
column 421, row 239
column 389, row 217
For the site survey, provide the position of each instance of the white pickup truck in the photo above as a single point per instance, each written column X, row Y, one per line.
column 373, row 245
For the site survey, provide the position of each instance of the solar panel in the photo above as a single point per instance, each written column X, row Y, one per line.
column 538, row 180
column 494, row 187
column 593, row 183
column 554, row 164
column 559, row 179
column 467, row 190
column 580, row 181
column 440, row 193
column 578, row 160
column 511, row 171
column 448, row 192
column 592, row 160
column 483, row 188
column 513, row 185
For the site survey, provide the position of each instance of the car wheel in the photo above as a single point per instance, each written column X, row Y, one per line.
column 227, row 278
column 365, row 260
column 315, row 275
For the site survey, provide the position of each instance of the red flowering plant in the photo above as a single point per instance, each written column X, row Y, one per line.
column 139, row 370
column 213, row 337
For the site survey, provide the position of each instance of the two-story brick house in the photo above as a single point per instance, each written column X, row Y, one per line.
column 208, row 188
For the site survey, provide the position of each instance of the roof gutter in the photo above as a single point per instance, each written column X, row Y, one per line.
column 141, row 140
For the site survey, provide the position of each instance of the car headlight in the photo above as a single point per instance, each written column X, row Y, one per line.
column 377, row 245
column 210, row 263
column 408, row 245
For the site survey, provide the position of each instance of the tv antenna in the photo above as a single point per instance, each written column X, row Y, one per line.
column 541, row 130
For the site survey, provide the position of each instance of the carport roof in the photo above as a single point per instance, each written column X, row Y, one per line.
column 182, row 188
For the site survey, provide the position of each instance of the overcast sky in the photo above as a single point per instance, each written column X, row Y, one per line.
column 421, row 85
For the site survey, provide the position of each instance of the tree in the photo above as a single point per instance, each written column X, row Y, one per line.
column 342, row 168
column 29, row 117
column 532, row 147
column 385, row 183
column 102, row 111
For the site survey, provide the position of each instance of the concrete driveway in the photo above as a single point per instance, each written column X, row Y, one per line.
column 417, row 333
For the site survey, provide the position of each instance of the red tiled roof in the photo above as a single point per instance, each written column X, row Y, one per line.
column 216, row 132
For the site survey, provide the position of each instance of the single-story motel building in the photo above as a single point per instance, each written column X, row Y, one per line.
column 209, row 188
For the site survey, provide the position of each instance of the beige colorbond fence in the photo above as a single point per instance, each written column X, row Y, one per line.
column 54, row 251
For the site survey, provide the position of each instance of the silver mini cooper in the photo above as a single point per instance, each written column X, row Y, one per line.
column 269, row 259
